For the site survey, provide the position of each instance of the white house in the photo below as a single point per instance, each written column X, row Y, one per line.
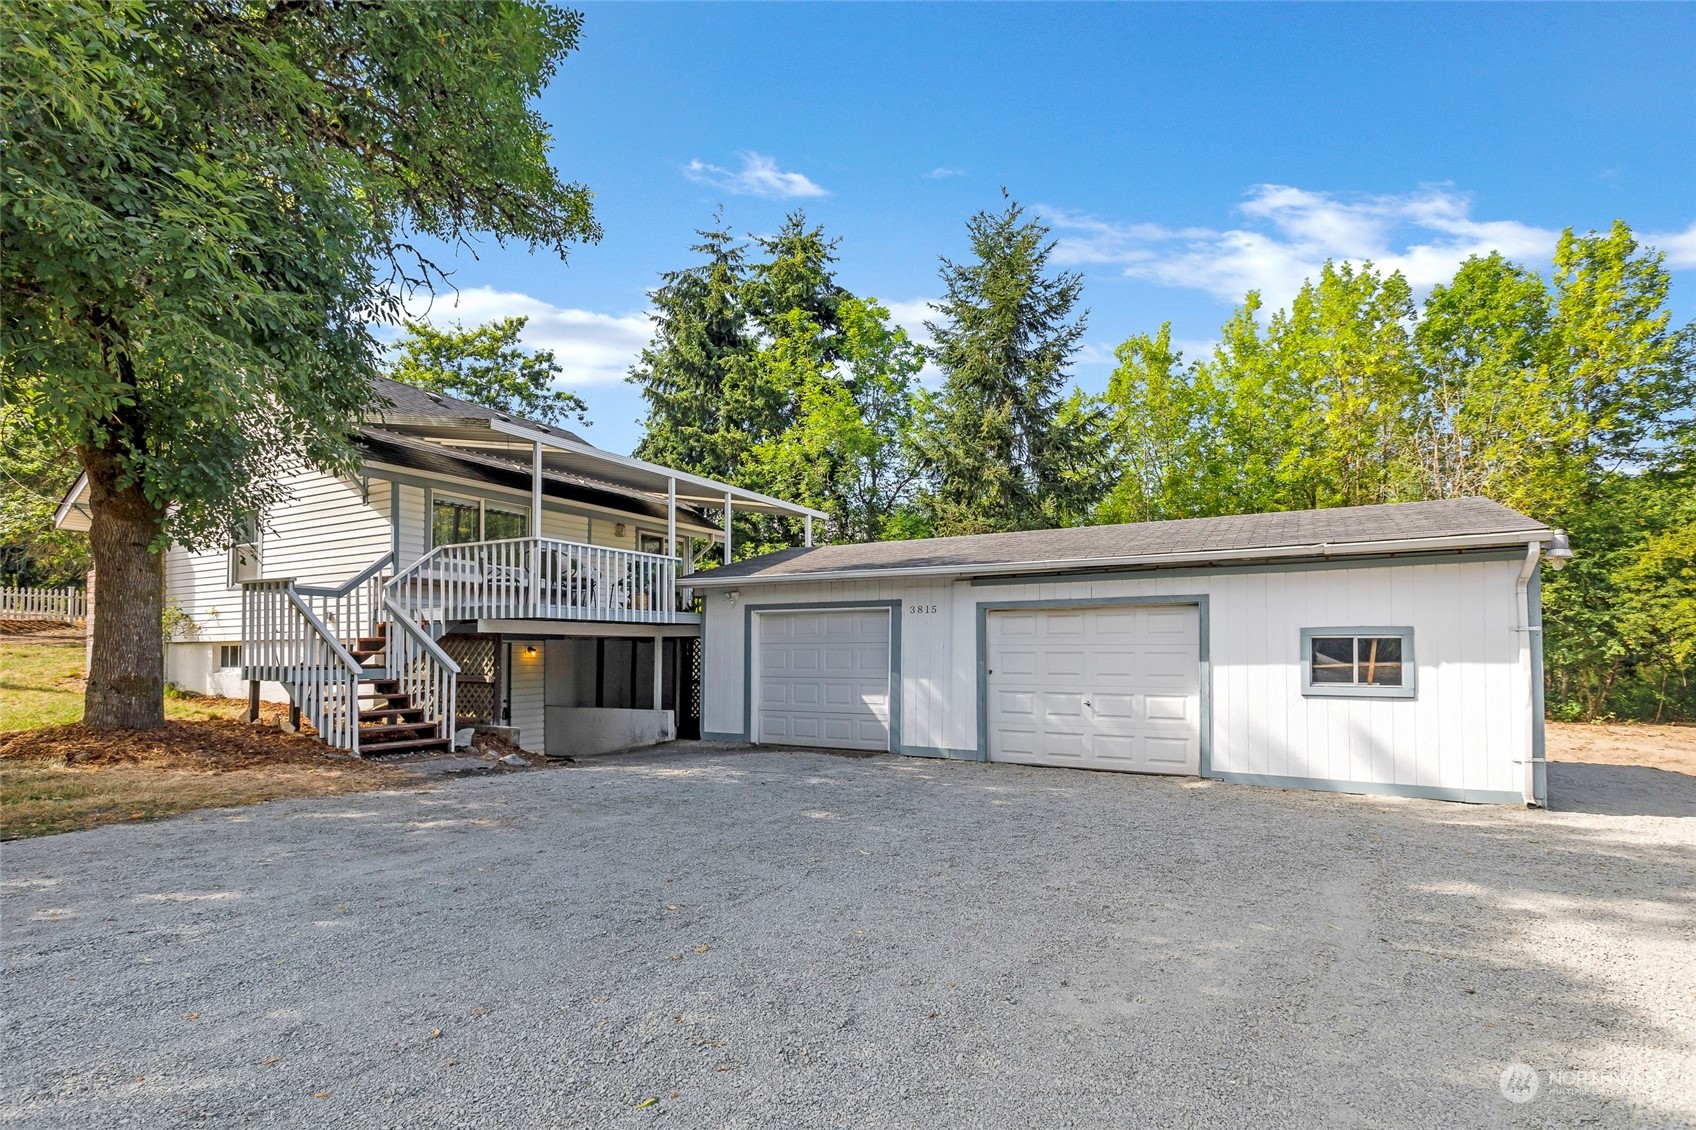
column 479, row 569
column 1379, row 649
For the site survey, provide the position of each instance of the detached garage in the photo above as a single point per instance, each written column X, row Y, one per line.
column 1380, row 649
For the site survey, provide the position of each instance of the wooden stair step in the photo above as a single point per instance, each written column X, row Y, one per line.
column 415, row 745
column 376, row 713
column 412, row 728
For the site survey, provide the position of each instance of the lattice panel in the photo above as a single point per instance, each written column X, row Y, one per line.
column 475, row 656
column 476, row 702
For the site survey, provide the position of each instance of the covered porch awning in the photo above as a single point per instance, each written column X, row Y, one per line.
column 554, row 450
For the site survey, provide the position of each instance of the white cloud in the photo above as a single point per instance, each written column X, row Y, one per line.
column 1680, row 246
column 592, row 348
column 942, row 173
column 1288, row 233
column 758, row 176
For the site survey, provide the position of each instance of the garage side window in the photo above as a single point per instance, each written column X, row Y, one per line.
column 1357, row 662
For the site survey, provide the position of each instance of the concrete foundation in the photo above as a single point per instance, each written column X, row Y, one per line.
column 579, row 731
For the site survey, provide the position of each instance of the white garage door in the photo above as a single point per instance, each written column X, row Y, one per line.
column 1099, row 688
column 823, row 678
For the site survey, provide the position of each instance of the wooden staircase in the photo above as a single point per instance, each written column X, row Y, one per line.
column 392, row 723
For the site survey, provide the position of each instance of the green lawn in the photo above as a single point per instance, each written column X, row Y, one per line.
column 41, row 684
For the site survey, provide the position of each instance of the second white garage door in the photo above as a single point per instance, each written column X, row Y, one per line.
column 823, row 678
column 1099, row 688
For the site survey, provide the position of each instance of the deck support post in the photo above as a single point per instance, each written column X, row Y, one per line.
column 809, row 530
column 671, row 517
column 252, row 701
column 727, row 527
column 535, row 564
column 659, row 675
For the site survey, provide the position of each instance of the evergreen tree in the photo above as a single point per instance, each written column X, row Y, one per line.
column 994, row 442
column 701, row 336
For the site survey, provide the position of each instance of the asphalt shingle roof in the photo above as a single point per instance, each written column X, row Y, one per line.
column 1326, row 532
column 408, row 402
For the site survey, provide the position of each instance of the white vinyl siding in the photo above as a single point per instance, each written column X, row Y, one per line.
column 527, row 688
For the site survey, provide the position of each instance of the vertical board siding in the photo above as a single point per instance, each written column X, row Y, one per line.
column 528, row 686
column 1465, row 729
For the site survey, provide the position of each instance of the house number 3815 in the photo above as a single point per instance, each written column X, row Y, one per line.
column 921, row 609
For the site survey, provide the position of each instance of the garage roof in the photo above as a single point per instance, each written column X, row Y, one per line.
column 1409, row 527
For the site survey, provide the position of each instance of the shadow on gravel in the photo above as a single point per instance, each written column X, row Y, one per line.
column 1620, row 790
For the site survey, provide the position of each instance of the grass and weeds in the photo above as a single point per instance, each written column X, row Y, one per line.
column 57, row 775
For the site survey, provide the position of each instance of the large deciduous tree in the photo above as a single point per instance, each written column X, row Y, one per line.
column 206, row 204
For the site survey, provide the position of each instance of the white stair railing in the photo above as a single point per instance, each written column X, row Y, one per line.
column 285, row 641
column 352, row 608
column 537, row 578
column 422, row 668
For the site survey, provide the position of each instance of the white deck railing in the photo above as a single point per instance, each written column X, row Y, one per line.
column 67, row 604
column 285, row 641
column 537, row 578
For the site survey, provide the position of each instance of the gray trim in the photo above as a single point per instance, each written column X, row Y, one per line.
column 1373, row 788
column 1203, row 645
column 1539, row 763
column 1132, row 572
column 894, row 609
column 715, row 736
column 1410, row 672
column 394, row 524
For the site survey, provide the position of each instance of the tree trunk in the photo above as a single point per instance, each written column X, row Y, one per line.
column 126, row 668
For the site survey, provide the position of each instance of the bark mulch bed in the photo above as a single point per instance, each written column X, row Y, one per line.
column 62, row 778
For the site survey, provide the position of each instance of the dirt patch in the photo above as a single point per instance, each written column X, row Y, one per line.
column 63, row 778
column 1672, row 748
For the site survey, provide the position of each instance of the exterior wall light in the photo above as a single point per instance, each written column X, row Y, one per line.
column 1559, row 551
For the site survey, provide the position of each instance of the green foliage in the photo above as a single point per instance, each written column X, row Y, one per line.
column 701, row 343
column 850, row 450
column 1569, row 399
column 487, row 366
column 205, row 206
column 770, row 375
column 201, row 198
column 1004, row 449
column 35, row 473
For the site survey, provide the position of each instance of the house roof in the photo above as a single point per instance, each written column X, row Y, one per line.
column 1410, row 527
column 411, row 405
column 380, row 446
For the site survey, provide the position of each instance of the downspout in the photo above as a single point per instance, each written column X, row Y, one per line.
column 1532, row 759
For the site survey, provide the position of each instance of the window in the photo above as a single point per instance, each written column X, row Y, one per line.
column 243, row 564
column 229, row 655
column 498, row 524
column 1358, row 662
column 454, row 521
column 650, row 543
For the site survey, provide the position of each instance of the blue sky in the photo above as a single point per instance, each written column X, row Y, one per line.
column 1183, row 153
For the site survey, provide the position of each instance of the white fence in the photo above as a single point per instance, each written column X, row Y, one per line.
column 66, row 605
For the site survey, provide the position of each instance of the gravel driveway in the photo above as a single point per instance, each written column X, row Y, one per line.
column 742, row 938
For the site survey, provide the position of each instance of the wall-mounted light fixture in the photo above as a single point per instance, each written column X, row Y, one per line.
column 529, row 651
column 1559, row 551
column 730, row 597
column 618, row 530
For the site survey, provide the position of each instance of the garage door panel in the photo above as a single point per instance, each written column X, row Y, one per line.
column 1116, row 687
column 824, row 679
